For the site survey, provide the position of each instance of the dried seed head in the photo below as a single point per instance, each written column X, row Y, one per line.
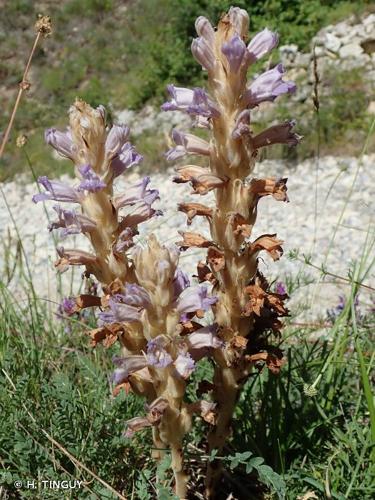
column 44, row 25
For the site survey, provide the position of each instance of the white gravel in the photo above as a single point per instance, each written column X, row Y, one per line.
column 330, row 216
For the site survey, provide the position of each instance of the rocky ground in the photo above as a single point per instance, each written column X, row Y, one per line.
column 330, row 217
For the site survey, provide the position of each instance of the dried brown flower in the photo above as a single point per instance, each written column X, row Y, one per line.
column 44, row 25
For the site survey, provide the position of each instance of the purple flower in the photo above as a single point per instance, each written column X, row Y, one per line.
column 193, row 102
column 205, row 30
column 116, row 138
column 126, row 366
column 127, row 157
column 267, row 87
column 156, row 353
column 135, row 295
column 120, row 312
column 57, row 191
column 187, row 143
column 278, row 134
column 239, row 19
column 126, row 307
column 235, row 52
column 280, row 288
column 203, row 53
column 195, row 298
column 67, row 307
column 205, row 337
column 150, row 196
column 136, row 193
column 180, row 282
column 91, row 181
column 61, row 142
column 334, row 313
column 262, row 43
column 71, row 222
column 184, row 364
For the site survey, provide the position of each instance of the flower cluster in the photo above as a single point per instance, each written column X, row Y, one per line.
column 247, row 311
column 146, row 302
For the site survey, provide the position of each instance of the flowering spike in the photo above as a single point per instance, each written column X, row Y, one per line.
column 244, row 308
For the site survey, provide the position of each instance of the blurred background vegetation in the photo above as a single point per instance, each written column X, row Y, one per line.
column 123, row 54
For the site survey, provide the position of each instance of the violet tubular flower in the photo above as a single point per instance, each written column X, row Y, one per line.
column 120, row 311
column 205, row 30
column 194, row 299
column 91, row 182
column 262, row 43
column 136, row 193
column 71, row 222
column 67, row 307
column 157, row 355
column 62, row 142
column 180, row 282
column 57, row 191
column 185, row 365
column 193, row 102
column 127, row 157
column 236, row 53
column 187, row 144
column 280, row 288
column 267, row 87
column 202, row 52
column 116, row 140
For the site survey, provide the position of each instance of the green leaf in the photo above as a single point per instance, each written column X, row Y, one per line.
column 269, row 477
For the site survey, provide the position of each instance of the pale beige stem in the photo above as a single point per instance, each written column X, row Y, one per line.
column 180, row 477
column 157, row 452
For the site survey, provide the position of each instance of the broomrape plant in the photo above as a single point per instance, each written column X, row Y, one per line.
column 147, row 303
column 246, row 312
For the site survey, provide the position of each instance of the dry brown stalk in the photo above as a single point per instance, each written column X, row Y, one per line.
column 43, row 29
